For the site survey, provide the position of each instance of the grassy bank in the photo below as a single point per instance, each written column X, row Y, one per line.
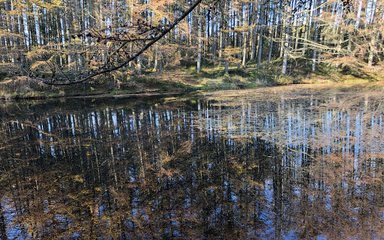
column 183, row 80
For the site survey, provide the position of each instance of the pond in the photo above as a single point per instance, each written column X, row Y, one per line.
column 262, row 165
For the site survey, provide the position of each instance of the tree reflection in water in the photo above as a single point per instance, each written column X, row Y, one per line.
column 282, row 169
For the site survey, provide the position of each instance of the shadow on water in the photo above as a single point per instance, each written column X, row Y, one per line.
column 196, row 168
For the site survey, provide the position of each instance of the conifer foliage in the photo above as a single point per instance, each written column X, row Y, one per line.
column 72, row 41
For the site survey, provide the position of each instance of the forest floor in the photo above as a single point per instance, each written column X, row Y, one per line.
column 183, row 80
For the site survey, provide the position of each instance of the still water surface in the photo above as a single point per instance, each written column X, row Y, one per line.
column 274, row 167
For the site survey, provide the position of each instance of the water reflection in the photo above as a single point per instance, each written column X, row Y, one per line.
column 285, row 169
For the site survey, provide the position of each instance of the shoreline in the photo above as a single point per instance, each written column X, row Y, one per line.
column 93, row 96
column 26, row 89
column 294, row 87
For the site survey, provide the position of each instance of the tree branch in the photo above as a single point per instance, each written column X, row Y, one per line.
column 148, row 45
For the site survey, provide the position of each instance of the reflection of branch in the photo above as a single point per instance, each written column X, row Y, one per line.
column 147, row 46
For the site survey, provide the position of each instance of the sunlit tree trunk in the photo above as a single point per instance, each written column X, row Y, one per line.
column 372, row 49
column 286, row 39
column 155, row 56
column 316, row 34
column 199, row 40
column 245, row 33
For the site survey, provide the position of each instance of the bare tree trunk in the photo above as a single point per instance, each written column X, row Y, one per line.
column 285, row 54
column 221, row 36
column 314, row 54
column 285, row 42
column 270, row 50
column 245, row 33
column 221, row 29
column 372, row 49
column 357, row 24
column 156, row 62
column 315, row 37
column 138, row 62
column 199, row 40
column 283, row 24
column 260, row 47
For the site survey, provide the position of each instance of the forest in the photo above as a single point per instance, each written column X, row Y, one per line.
column 191, row 119
column 115, row 43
